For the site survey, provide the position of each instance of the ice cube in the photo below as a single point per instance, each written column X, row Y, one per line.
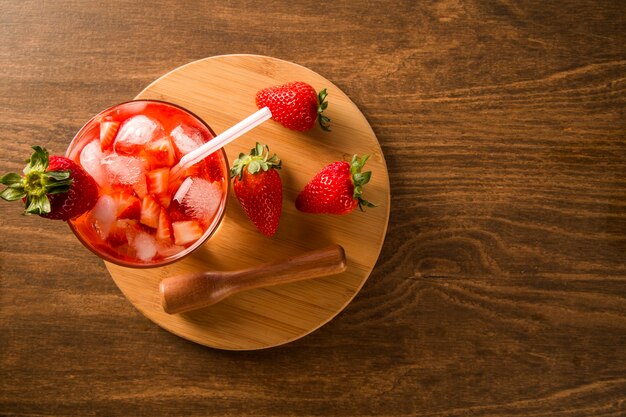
column 203, row 199
column 103, row 215
column 123, row 170
column 135, row 132
column 186, row 138
column 90, row 158
column 145, row 246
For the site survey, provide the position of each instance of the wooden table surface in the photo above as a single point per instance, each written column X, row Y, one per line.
column 501, row 286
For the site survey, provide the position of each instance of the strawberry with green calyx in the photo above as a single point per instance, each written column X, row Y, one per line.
column 54, row 187
column 295, row 105
column 336, row 189
column 258, row 187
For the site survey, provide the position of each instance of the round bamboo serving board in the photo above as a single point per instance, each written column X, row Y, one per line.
column 221, row 91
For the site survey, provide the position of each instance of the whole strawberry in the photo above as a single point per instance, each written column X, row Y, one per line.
column 336, row 189
column 295, row 105
column 54, row 187
column 258, row 188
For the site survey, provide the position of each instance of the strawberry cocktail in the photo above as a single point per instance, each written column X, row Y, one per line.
column 144, row 216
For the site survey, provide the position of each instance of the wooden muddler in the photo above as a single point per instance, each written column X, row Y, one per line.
column 194, row 291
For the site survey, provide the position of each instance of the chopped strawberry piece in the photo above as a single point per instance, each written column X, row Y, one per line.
column 161, row 152
column 133, row 211
column 213, row 166
column 177, row 212
column 128, row 206
column 186, row 232
column 164, row 228
column 150, row 211
column 108, row 130
column 118, row 235
column 164, row 200
column 194, row 171
column 141, row 187
column 209, row 168
column 174, row 186
column 158, row 180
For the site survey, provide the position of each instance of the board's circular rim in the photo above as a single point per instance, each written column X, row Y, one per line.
column 366, row 276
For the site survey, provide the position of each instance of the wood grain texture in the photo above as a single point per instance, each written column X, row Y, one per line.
column 501, row 287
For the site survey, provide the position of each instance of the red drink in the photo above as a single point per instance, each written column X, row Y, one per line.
column 143, row 218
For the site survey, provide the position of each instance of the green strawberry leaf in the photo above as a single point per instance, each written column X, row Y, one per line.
column 59, row 175
column 362, row 178
column 37, row 180
column 254, row 166
column 37, row 205
column 36, row 184
column 38, row 160
column 257, row 160
column 363, row 204
column 323, row 121
column 12, row 194
column 322, row 95
column 11, row 179
column 359, row 179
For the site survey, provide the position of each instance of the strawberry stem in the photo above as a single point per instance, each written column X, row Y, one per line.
column 359, row 179
column 321, row 106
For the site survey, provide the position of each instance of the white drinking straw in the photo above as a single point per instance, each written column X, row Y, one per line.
column 220, row 141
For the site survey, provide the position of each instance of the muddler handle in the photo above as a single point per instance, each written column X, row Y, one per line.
column 193, row 291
